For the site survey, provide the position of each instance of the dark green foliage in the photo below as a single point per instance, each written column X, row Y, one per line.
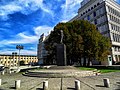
column 82, row 40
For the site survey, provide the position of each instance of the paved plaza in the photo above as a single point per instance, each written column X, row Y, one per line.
column 36, row 83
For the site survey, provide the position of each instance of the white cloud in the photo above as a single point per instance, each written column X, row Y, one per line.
column 42, row 29
column 25, row 38
column 8, row 9
column 23, row 6
column 70, row 9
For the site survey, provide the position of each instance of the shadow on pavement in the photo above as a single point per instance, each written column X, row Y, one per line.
column 118, row 82
column 71, row 88
column 12, row 88
column 39, row 88
column 99, row 86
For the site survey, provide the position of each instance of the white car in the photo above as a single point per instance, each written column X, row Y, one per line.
column 1, row 67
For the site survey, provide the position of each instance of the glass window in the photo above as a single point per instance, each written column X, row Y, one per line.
column 95, row 21
column 94, row 6
column 98, row 3
column 94, row 14
column 91, row 8
column 88, row 17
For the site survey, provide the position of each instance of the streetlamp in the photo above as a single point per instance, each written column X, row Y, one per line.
column 19, row 47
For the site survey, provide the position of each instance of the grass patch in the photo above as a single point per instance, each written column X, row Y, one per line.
column 86, row 68
column 108, row 70
column 102, row 70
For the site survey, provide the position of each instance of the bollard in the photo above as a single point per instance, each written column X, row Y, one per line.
column 45, row 85
column 77, row 85
column 3, row 72
column 0, row 82
column 17, row 84
column 10, row 72
column 106, row 82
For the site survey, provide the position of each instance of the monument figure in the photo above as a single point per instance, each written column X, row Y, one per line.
column 61, row 51
column 61, row 40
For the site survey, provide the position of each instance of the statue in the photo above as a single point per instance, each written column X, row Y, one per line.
column 61, row 40
column 61, row 51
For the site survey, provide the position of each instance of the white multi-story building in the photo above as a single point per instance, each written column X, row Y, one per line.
column 41, row 51
column 105, row 14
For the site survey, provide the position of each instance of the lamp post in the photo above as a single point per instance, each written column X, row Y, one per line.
column 19, row 47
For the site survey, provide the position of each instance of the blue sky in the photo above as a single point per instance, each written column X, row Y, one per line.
column 23, row 21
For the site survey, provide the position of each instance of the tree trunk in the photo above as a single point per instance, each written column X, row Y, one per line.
column 88, row 64
column 84, row 62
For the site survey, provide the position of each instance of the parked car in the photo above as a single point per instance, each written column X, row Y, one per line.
column 2, row 67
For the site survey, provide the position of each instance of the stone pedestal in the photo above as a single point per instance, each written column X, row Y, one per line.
column 61, row 55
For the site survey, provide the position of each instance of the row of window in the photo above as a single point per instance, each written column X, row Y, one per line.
column 112, row 18
column 8, row 61
column 113, row 11
column 18, row 57
column 114, row 27
column 117, row 49
column 90, row 9
column 3, row 62
column 116, row 37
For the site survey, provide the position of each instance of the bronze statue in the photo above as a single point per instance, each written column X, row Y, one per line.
column 61, row 40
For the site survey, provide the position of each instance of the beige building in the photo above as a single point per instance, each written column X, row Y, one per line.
column 105, row 14
column 13, row 60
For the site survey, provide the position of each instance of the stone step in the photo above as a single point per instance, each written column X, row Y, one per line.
column 59, row 74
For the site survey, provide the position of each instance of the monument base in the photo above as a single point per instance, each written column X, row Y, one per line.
column 61, row 55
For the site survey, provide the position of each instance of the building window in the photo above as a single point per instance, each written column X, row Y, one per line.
column 94, row 6
column 95, row 21
column 91, row 8
column 94, row 14
column 98, row 3
column 88, row 17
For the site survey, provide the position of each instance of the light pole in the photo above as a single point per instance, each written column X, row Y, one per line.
column 19, row 47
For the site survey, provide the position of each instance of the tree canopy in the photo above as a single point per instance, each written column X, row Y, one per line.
column 82, row 40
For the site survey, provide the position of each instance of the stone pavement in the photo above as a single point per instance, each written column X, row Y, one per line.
column 36, row 83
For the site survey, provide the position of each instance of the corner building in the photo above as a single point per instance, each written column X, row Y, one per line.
column 105, row 14
column 41, row 51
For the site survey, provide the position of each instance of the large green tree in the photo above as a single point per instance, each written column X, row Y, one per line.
column 82, row 40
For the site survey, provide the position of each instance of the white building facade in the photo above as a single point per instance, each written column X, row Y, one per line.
column 105, row 14
column 41, row 51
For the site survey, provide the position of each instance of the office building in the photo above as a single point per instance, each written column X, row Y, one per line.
column 105, row 14
column 41, row 51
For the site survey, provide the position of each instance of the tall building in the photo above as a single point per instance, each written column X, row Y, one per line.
column 41, row 51
column 105, row 14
